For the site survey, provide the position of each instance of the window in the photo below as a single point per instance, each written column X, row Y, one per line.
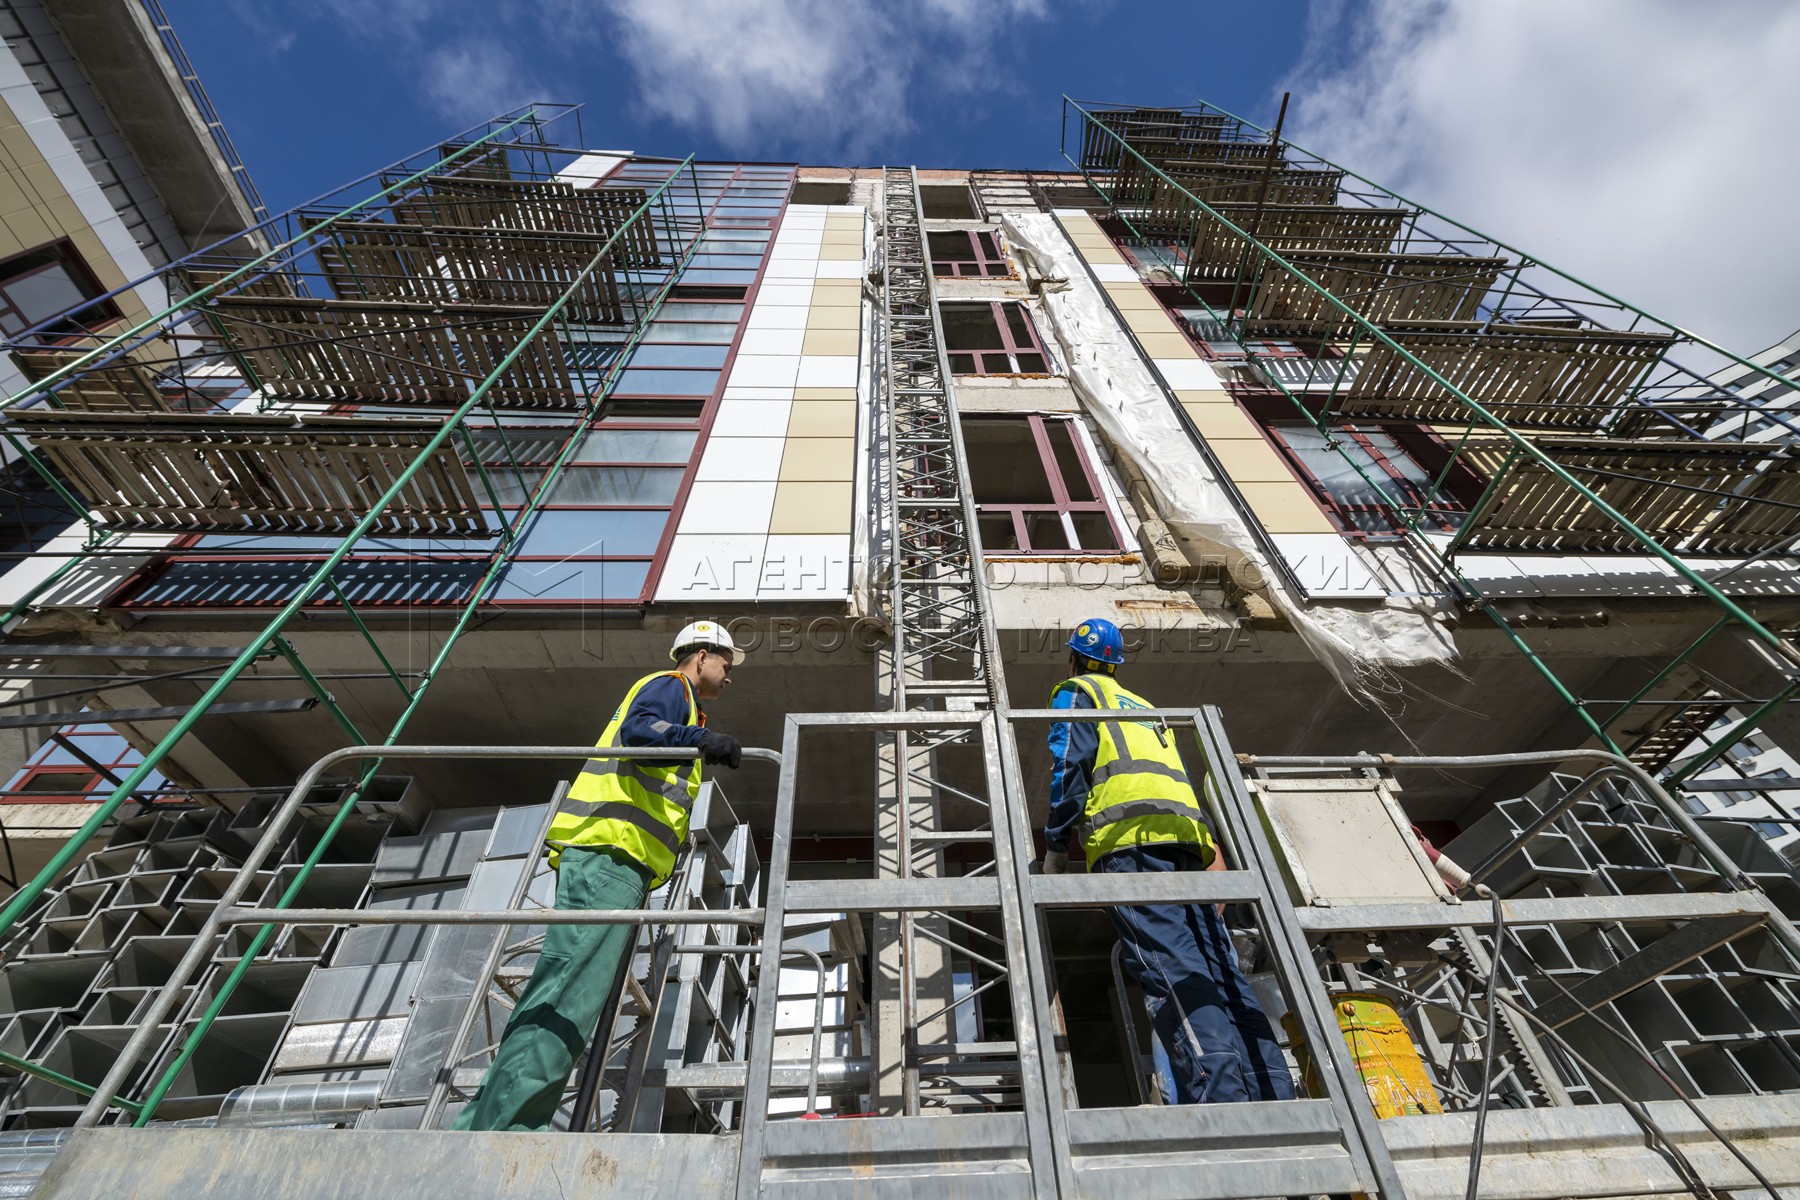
column 62, row 771
column 947, row 202
column 1035, row 491
column 1351, row 476
column 992, row 339
column 968, row 253
column 41, row 283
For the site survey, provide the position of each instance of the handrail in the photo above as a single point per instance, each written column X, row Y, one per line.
column 26, row 895
column 202, row 946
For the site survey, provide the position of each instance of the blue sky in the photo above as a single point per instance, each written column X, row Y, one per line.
column 316, row 91
column 1640, row 144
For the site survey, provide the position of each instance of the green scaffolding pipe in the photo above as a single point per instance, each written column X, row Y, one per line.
column 369, row 638
column 1733, row 736
column 1526, row 259
column 497, row 564
column 62, row 374
column 26, row 1066
column 287, row 651
column 1668, row 670
column 1524, row 444
column 27, row 895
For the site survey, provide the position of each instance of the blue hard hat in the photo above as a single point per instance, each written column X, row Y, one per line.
column 1099, row 639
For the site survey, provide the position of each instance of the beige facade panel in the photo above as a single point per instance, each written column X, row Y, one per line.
column 1249, row 460
column 842, row 222
column 836, row 293
column 1145, row 322
column 811, row 508
column 817, row 460
column 822, row 419
column 1285, row 508
column 833, row 318
column 846, row 253
column 842, row 237
column 1215, row 420
column 830, row 341
column 824, row 393
column 1167, row 345
column 1131, row 297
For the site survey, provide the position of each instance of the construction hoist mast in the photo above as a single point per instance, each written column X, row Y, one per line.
column 941, row 658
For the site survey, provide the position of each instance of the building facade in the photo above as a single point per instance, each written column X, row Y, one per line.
column 451, row 467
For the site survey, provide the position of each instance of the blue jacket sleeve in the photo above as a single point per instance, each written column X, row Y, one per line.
column 658, row 717
column 1073, row 746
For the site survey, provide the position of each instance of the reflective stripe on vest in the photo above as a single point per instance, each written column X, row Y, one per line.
column 1138, row 792
column 628, row 805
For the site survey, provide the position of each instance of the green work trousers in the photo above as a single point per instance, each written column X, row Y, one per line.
column 573, row 980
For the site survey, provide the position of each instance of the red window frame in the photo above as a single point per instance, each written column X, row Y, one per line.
column 38, row 260
column 968, row 254
column 1020, row 516
column 1020, row 352
column 1420, row 448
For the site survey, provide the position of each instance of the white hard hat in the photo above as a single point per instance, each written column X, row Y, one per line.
column 709, row 635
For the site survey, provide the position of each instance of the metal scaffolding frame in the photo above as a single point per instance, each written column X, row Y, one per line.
column 1650, row 387
column 171, row 343
column 1027, row 1146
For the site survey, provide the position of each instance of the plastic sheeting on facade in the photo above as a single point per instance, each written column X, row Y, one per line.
column 1359, row 646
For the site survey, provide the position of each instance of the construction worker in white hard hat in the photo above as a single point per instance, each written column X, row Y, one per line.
column 614, row 842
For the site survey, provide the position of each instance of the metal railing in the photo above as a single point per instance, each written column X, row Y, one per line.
column 228, row 913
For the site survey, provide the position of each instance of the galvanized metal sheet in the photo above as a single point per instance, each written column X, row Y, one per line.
column 357, row 993
column 179, row 1164
column 339, row 1044
column 427, row 856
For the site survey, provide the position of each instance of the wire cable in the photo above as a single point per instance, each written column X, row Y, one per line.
column 1488, row 1040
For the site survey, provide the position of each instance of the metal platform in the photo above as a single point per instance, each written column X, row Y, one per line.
column 1383, row 288
column 182, row 473
column 119, row 386
column 1714, row 498
column 1219, row 254
column 1530, row 376
column 394, row 352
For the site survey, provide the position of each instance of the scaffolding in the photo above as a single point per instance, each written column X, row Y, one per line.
column 1581, row 411
column 416, row 318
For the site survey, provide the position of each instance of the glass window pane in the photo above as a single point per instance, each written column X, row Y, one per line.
column 672, row 331
column 563, row 532
column 701, row 310
column 543, row 581
column 1021, row 327
column 637, row 445
column 970, row 327
column 678, row 355
column 45, row 293
column 617, row 485
column 667, row 383
column 1032, row 364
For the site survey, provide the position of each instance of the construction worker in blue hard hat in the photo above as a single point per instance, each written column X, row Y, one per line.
column 614, row 841
column 1120, row 785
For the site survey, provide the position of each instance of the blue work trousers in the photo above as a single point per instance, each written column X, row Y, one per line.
column 1219, row 1041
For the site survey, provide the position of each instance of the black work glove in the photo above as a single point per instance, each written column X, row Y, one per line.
column 720, row 748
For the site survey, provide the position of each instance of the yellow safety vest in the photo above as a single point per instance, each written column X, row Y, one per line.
column 1139, row 792
column 626, row 803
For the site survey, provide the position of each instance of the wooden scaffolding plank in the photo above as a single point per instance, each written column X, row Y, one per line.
column 1164, row 209
column 1218, row 253
column 1384, row 288
column 534, row 206
column 1674, row 490
column 395, row 352
column 379, row 260
column 1530, row 376
column 119, row 386
column 189, row 473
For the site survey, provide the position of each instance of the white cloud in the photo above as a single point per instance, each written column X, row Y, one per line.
column 1645, row 146
column 823, row 73
column 472, row 81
